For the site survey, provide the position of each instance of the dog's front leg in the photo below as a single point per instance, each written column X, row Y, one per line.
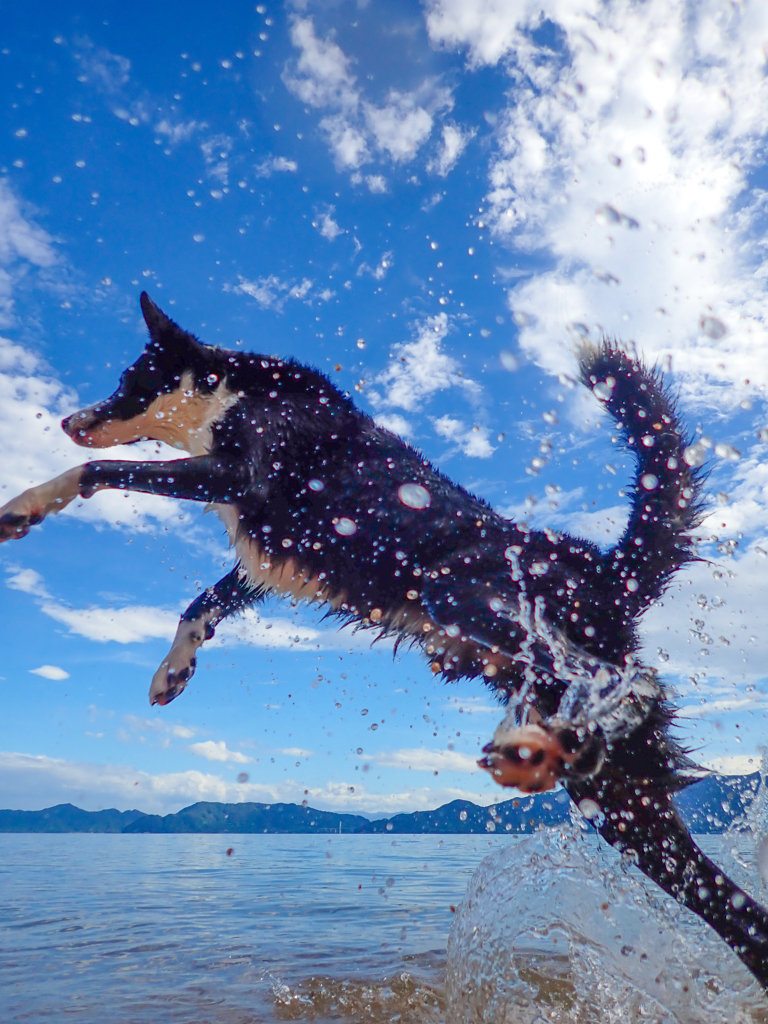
column 205, row 478
column 197, row 625
column 638, row 816
column 34, row 504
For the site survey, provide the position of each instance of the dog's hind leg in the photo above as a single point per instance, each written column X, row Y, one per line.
column 197, row 624
column 638, row 816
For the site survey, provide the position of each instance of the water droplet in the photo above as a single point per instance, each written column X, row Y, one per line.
column 603, row 391
column 607, row 215
column 727, row 451
column 198, row 238
column 695, row 454
column 649, row 481
column 484, row 332
column 389, row 826
column 632, row 586
column 106, row 281
column 589, row 808
column 433, row 245
column 762, row 434
column 345, row 527
column 361, row 342
column 316, row 485
column 712, row 327
column 243, row 777
column 359, row 750
column 211, row 379
column 509, row 363
column 414, row 496
column 462, row 815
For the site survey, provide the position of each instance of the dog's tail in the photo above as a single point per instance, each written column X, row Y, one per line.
column 666, row 493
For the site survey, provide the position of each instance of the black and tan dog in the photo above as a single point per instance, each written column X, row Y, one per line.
column 323, row 505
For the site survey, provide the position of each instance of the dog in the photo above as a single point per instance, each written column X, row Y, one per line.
column 323, row 505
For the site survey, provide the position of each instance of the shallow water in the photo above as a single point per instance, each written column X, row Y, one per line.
column 140, row 928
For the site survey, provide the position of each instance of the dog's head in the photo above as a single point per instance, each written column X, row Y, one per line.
column 168, row 394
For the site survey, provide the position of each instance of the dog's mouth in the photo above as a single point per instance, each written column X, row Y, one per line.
column 88, row 431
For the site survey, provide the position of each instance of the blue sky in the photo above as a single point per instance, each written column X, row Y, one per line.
column 432, row 203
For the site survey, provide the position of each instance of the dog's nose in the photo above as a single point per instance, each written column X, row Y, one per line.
column 65, row 424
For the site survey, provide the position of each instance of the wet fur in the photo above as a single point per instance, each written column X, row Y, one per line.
column 309, row 490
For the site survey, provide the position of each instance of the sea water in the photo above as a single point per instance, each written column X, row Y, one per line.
column 240, row 929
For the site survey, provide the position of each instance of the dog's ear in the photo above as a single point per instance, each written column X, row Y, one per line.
column 163, row 332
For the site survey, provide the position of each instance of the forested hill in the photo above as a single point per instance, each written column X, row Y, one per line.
column 710, row 806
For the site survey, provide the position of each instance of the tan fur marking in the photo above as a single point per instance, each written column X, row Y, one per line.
column 182, row 419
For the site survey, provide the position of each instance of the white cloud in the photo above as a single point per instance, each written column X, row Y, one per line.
column 377, row 183
column 276, row 165
column 109, row 72
column 270, row 292
column 472, row 441
column 216, row 152
column 625, row 157
column 179, row 132
column 50, row 672
column 296, row 752
column 36, row 781
column 21, row 242
column 326, row 225
column 159, row 725
column 399, row 127
column 213, row 751
column 453, row 145
column 423, row 760
column 28, row 582
column 130, row 625
column 321, row 77
column 379, row 272
column 139, row 623
column 420, row 368
column 396, row 423
column 734, row 764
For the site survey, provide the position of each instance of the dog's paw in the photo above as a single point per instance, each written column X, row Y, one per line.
column 18, row 517
column 170, row 679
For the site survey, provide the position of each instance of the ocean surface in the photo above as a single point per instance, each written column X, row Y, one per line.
column 156, row 928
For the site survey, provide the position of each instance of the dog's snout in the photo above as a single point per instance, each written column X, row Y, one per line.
column 76, row 424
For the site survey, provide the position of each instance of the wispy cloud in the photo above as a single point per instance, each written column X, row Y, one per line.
column 218, row 751
column 422, row 760
column 271, row 292
column 357, row 129
column 50, row 672
column 326, row 225
column 36, row 781
column 275, row 165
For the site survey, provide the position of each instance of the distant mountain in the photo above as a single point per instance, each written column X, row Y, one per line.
column 710, row 806
column 717, row 801
column 522, row 814
column 248, row 817
column 67, row 818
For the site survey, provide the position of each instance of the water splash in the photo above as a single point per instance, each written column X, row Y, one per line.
column 554, row 930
